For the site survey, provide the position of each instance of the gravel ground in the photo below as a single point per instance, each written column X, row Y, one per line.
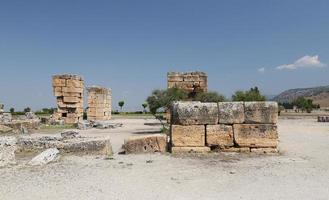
column 301, row 171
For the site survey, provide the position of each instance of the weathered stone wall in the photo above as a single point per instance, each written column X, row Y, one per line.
column 68, row 90
column 192, row 82
column 224, row 126
column 99, row 103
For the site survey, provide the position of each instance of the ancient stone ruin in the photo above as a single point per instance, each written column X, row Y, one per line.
column 99, row 103
column 224, row 126
column 68, row 90
column 323, row 118
column 191, row 82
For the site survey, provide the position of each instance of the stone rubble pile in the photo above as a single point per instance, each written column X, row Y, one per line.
column 224, row 126
column 68, row 90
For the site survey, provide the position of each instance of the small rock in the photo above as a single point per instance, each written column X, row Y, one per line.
column 69, row 134
column 45, row 157
column 83, row 125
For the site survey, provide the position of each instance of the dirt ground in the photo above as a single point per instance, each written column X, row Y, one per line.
column 301, row 171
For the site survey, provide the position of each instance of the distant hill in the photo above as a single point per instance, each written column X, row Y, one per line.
column 319, row 95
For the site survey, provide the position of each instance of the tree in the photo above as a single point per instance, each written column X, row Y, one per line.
column 209, row 97
column 27, row 109
column 121, row 104
column 304, row 104
column 12, row 110
column 251, row 95
column 144, row 105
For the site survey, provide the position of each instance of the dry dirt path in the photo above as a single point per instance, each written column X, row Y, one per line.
column 301, row 172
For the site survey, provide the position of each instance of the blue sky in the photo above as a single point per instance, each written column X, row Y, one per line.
column 131, row 45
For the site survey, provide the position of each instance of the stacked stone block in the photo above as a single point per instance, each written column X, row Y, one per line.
column 192, row 82
column 99, row 103
column 224, row 126
column 68, row 90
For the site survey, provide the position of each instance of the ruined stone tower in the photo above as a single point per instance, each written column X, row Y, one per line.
column 68, row 90
column 99, row 103
column 191, row 82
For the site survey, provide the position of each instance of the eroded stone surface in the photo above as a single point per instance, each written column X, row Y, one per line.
column 219, row 135
column 261, row 112
column 194, row 113
column 188, row 136
column 230, row 112
column 146, row 144
column 264, row 150
column 45, row 157
column 5, row 129
column 255, row 135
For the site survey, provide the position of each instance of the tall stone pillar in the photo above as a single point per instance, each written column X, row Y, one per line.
column 99, row 103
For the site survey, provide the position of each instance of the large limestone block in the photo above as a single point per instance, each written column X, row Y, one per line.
column 47, row 156
column 194, row 113
column 5, row 129
column 58, row 82
column 74, row 83
column 230, row 112
column 261, row 112
column 219, row 135
column 178, row 150
column 71, row 99
column 72, row 89
column 146, row 144
column 255, row 135
column 7, row 150
column 188, row 136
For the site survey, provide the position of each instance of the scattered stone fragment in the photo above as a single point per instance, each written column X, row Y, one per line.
column 69, row 134
column 5, row 129
column 188, row 136
column 84, row 125
column 194, row 113
column 323, row 118
column 45, row 157
column 5, row 117
column 261, row 112
column 146, row 144
column 255, row 135
column 105, row 124
column 219, row 135
column 7, row 151
column 230, row 112
column 177, row 150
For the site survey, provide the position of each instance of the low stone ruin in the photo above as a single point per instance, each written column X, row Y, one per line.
column 192, row 82
column 99, row 103
column 7, row 151
column 323, row 118
column 68, row 90
column 224, row 126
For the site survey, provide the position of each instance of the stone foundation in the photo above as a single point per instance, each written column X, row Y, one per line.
column 226, row 126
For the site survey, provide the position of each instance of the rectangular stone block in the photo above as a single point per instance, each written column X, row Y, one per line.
column 74, row 83
column 146, row 144
column 72, row 94
column 178, row 150
column 255, row 135
column 59, row 82
column 71, row 99
column 219, row 135
column 261, row 112
column 72, row 89
column 231, row 112
column 194, row 113
column 188, row 136
column 236, row 149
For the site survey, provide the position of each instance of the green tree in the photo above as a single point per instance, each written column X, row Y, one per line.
column 209, row 97
column 251, row 95
column 121, row 104
column 27, row 109
column 304, row 104
column 144, row 105
column 12, row 110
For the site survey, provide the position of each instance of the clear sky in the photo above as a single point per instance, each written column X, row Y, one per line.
column 131, row 45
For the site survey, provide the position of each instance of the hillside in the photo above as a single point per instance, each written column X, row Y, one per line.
column 319, row 95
